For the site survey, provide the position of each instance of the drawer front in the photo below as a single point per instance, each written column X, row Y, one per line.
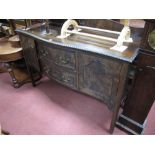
column 144, row 60
column 64, row 76
column 58, row 56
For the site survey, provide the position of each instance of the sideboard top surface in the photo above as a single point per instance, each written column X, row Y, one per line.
column 86, row 44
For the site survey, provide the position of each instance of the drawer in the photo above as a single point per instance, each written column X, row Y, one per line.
column 58, row 56
column 64, row 76
column 144, row 59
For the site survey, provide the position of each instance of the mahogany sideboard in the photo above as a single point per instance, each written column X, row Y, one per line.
column 82, row 64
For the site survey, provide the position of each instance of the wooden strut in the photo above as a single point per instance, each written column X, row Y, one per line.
column 97, row 29
column 91, row 35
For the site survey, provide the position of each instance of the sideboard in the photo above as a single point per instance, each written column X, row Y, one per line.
column 82, row 64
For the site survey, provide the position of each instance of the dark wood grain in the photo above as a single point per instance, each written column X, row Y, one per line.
column 142, row 94
column 97, row 77
column 82, row 63
column 31, row 58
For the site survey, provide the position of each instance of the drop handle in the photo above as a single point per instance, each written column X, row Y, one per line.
column 66, row 80
column 65, row 61
column 140, row 69
column 62, row 61
column 44, row 53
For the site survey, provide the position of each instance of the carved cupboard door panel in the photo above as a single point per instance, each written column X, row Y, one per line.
column 99, row 77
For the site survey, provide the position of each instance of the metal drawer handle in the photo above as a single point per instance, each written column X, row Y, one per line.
column 43, row 52
column 65, row 61
column 62, row 61
column 66, row 80
column 60, row 58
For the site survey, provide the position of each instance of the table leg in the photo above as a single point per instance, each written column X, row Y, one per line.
column 119, row 96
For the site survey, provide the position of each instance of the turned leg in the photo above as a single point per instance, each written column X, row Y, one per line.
column 15, row 82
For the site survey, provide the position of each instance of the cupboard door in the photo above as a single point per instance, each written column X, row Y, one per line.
column 99, row 77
